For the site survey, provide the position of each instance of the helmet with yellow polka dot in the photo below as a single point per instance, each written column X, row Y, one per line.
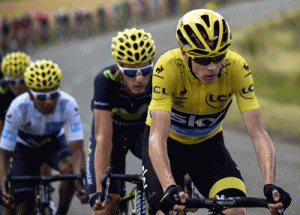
column 14, row 64
column 42, row 75
column 133, row 47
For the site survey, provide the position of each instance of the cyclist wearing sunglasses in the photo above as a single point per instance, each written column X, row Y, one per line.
column 193, row 87
column 13, row 66
column 34, row 134
column 122, row 93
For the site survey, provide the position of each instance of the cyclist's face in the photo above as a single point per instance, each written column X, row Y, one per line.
column 134, row 85
column 207, row 74
column 17, row 88
column 45, row 107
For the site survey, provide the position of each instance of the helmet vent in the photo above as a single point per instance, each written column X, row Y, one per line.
column 129, row 53
column 135, row 46
column 141, row 43
column 137, row 56
column 206, row 20
column 150, row 50
column 139, row 35
column 128, row 45
column 121, row 53
column 133, row 37
column 225, row 33
column 143, row 52
column 224, row 48
column 182, row 40
column 144, row 58
column 122, row 48
column 193, row 37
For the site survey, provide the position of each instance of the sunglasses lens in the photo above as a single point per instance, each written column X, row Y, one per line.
column 41, row 97
column 202, row 61
column 22, row 81
column 12, row 82
column 219, row 58
column 130, row 73
column 147, row 71
column 54, row 95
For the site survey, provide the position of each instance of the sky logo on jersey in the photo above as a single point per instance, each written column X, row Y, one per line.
column 248, row 93
column 196, row 125
column 75, row 127
column 159, row 90
column 9, row 135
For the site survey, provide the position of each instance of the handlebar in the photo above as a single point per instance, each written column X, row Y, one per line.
column 219, row 205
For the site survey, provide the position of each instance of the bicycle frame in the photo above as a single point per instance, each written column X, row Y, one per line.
column 139, row 207
column 43, row 189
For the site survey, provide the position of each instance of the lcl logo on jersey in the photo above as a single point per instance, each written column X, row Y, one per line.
column 247, row 92
column 157, row 89
column 217, row 100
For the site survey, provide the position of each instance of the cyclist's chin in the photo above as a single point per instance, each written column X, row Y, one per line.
column 138, row 90
column 47, row 111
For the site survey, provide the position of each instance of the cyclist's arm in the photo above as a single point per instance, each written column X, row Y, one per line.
column 5, row 156
column 159, row 132
column 1, row 126
column 78, row 156
column 262, row 144
column 103, row 137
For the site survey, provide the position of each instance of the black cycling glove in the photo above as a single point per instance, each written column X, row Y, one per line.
column 285, row 198
column 170, row 199
column 100, row 196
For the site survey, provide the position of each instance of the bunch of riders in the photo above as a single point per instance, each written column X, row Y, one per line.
column 167, row 113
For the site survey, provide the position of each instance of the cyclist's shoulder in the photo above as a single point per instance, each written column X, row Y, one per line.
column 20, row 102
column 109, row 73
column 169, row 64
column 3, row 87
column 66, row 98
column 170, row 57
column 232, row 59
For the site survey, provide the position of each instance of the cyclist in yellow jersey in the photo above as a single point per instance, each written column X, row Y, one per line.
column 193, row 87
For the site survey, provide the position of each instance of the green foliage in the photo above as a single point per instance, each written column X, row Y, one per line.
column 272, row 51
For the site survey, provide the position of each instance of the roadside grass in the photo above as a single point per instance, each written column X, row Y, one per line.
column 272, row 49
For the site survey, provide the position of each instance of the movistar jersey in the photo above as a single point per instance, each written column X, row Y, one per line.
column 197, row 110
column 6, row 97
column 109, row 94
column 25, row 124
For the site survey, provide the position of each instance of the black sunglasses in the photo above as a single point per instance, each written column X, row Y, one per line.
column 13, row 81
column 207, row 60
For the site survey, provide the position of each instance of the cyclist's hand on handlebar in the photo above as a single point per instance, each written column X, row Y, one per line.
column 82, row 196
column 278, row 198
column 6, row 200
column 98, row 201
column 172, row 199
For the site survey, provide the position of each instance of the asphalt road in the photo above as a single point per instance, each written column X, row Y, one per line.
column 80, row 61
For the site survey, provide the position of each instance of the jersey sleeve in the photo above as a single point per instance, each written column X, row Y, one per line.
column 163, row 84
column 244, row 86
column 12, row 123
column 74, row 124
column 102, row 89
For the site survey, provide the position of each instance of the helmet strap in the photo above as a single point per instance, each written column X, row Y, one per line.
column 191, row 68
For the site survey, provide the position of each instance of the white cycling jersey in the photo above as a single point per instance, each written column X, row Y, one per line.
column 25, row 124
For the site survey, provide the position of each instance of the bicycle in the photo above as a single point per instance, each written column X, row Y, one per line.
column 137, row 195
column 215, row 206
column 43, row 188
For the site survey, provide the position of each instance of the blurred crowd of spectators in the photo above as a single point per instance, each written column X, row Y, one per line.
column 27, row 31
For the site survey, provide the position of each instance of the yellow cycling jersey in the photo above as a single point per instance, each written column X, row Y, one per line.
column 197, row 110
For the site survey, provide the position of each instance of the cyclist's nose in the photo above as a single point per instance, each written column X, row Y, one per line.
column 139, row 77
column 211, row 66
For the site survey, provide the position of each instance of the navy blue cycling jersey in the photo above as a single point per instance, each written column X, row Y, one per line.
column 109, row 95
column 6, row 97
